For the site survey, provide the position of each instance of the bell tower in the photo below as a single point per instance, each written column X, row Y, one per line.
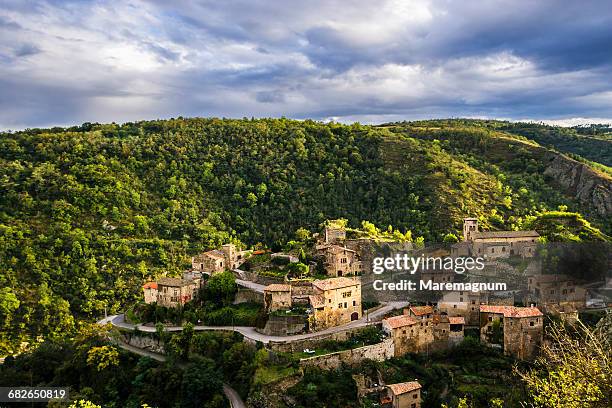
column 470, row 226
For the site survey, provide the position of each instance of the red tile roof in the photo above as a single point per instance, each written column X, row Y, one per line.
column 421, row 310
column 402, row 388
column 150, row 285
column 400, row 321
column 511, row 311
column 456, row 320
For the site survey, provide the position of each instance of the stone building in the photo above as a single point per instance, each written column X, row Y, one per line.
column 556, row 294
column 335, row 301
column 403, row 395
column 334, row 234
column 174, row 292
column 277, row 297
column 517, row 330
column 150, row 292
column 409, row 334
column 339, row 260
column 219, row 260
column 456, row 329
column 420, row 312
column 464, row 304
column 498, row 244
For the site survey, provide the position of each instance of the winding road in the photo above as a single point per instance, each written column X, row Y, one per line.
column 251, row 333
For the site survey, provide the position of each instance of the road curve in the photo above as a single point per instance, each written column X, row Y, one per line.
column 231, row 394
column 252, row 334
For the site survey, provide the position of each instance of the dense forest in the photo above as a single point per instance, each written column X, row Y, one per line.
column 88, row 213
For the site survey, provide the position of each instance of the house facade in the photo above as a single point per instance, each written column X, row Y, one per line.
column 219, row 260
column 277, row 297
column 150, row 292
column 404, row 395
column 519, row 331
column 339, row 260
column 175, row 292
column 335, row 301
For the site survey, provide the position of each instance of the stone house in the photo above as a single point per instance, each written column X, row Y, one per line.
column 174, row 292
column 456, row 329
column 403, row 395
column 228, row 257
column 150, row 292
column 420, row 312
column 334, row 234
column 335, row 301
column 339, row 260
column 277, row 297
column 556, row 293
column 464, row 304
column 498, row 244
column 409, row 334
column 518, row 331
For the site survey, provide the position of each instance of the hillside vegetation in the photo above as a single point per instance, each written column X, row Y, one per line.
column 90, row 212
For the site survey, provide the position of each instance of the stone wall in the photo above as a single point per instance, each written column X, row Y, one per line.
column 144, row 342
column 284, row 325
column 377, row 352
column 312, row 342
column 246, row 295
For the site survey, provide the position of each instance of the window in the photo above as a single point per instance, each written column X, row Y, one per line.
column 531, row 324
column 564, row 291
column 347, row 294
column 461, row 299
column 503, row 249
column 415, row 396
column 343, row 260
column 329, row 301
column 345, row 305
column 454, row 306
column 403, row 331
column 552, row 292
column 490, row 319
column 473, row 302
column 339, row 305
column 413, row 405
column 354, row 303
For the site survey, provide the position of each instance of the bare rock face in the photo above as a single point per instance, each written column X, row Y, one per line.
column 578, row 179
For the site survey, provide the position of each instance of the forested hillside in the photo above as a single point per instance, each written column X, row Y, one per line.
column 90, row 212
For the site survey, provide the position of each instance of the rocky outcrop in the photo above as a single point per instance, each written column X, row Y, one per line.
column 582, row 182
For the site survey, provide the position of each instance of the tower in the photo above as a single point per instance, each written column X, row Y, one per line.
column 470, row 226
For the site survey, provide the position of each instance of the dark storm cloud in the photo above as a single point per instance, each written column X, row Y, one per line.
column 65, row 62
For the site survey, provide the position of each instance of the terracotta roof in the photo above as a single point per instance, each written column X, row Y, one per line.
column 456, row 320
column 402, row 388
column 400, row 321
column 335, row 283
column 511, row 311
column 505, row 234
column 277, row 287
column 421, row 310
column 316, row 301
column 175, row 282
column 150, row 285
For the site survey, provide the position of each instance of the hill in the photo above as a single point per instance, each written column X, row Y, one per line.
column 89, row 212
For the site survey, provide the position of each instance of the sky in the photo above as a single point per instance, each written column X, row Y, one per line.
column 69, row 62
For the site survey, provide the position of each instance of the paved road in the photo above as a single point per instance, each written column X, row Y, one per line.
column 251, row 333
column 230, row 393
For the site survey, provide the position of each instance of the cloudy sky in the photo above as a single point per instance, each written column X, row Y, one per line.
column 68, row 62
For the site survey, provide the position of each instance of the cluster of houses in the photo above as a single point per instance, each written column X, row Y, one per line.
column 337, row 300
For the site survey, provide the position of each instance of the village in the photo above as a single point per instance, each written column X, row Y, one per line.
column 321, row 295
